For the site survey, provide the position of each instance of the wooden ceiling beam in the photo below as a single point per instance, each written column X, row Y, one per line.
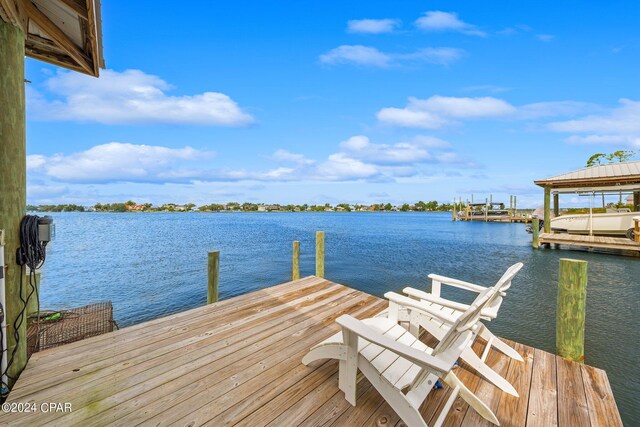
column 58, row 36
column 14, row 11
column 79, row 7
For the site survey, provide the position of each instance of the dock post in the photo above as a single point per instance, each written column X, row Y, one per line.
column 13, row 175
column 213, row 270
column 295, row 261
column 486, row 211
column 570, row 315
column 556, row 206
column 636, row 201
column 636, row 229
column 515, row 205
column 547, row 209
column 511, row 208
column 320, row 253
column 535, row 229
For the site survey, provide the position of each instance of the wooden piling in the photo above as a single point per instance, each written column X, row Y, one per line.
column 556, row 205
column 295, row 261
column 320, row 253
column 13, row 172
column 486, row 211
column 636, row 229
column 547, row 209
column 535, row 229
column 570, row 315
column 213, row 271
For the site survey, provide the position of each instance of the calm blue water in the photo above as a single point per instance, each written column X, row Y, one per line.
column 151, row 265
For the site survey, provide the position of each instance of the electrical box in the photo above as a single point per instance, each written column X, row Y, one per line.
column 46, row 229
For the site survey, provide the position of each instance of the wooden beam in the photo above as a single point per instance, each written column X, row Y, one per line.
column 58, row 36
column 556, row 206
column 13, row 11
column 79, row 7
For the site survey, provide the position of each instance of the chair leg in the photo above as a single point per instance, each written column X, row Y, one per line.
column 394, row 397
column 349, row 367
column 480, row 407
column 486, row 334
column 483, row 369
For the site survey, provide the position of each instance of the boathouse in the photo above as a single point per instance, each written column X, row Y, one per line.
column 614, row 178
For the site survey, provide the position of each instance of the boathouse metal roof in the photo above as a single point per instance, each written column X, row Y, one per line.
column 609, row 177
column 67, row 33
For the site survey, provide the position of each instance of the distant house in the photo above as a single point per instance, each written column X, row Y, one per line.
column 339, row 209
column 262, row 208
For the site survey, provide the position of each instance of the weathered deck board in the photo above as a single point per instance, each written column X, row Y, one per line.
column 237, row 362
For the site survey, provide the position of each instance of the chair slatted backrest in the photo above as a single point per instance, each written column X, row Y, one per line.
column 467, row 320
column 504, row 282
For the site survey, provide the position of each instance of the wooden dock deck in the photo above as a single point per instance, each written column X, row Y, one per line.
column 237, row 362
column 578, row 240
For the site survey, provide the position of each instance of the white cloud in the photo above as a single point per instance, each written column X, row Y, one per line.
column 372, row 57
column 286, row 156
column 403, row 152
column 555, row 108
column 619, row 125
column 433, row 55
column 131, row 96
column 447, row 21
column 545, row 37
column 119, row 162
column 356, row 54
column 438, row 111
column 372, row 26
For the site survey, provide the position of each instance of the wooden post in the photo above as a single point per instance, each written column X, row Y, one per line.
column 636, row 201
column 570, row 315
column 295, row 261
column 556, row 206
column 213, row 271
column 515, row 205
column 535, row 228
column 320, row 253
column 486, row 210
column 13, row 172
column 547, row 209
column 510, row 208
column 636, row 229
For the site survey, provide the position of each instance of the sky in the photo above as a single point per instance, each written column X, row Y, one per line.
column 333, row 102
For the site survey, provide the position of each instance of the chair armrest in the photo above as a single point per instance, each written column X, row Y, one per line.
column 413, row 355
column 437, row 300
column 457, row 283
column 419, row 306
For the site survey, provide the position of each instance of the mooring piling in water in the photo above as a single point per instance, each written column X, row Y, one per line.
column 320, row 253
column 213, row 271
column 535, row 231
column 295, row 260
column 571, row 309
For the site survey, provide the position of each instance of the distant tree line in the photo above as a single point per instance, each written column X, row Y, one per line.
column 131, row 206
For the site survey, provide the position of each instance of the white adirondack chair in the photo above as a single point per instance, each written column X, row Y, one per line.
column 394, row 360
column 453, row 308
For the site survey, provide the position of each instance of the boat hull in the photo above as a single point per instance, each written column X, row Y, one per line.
column 609, row 224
